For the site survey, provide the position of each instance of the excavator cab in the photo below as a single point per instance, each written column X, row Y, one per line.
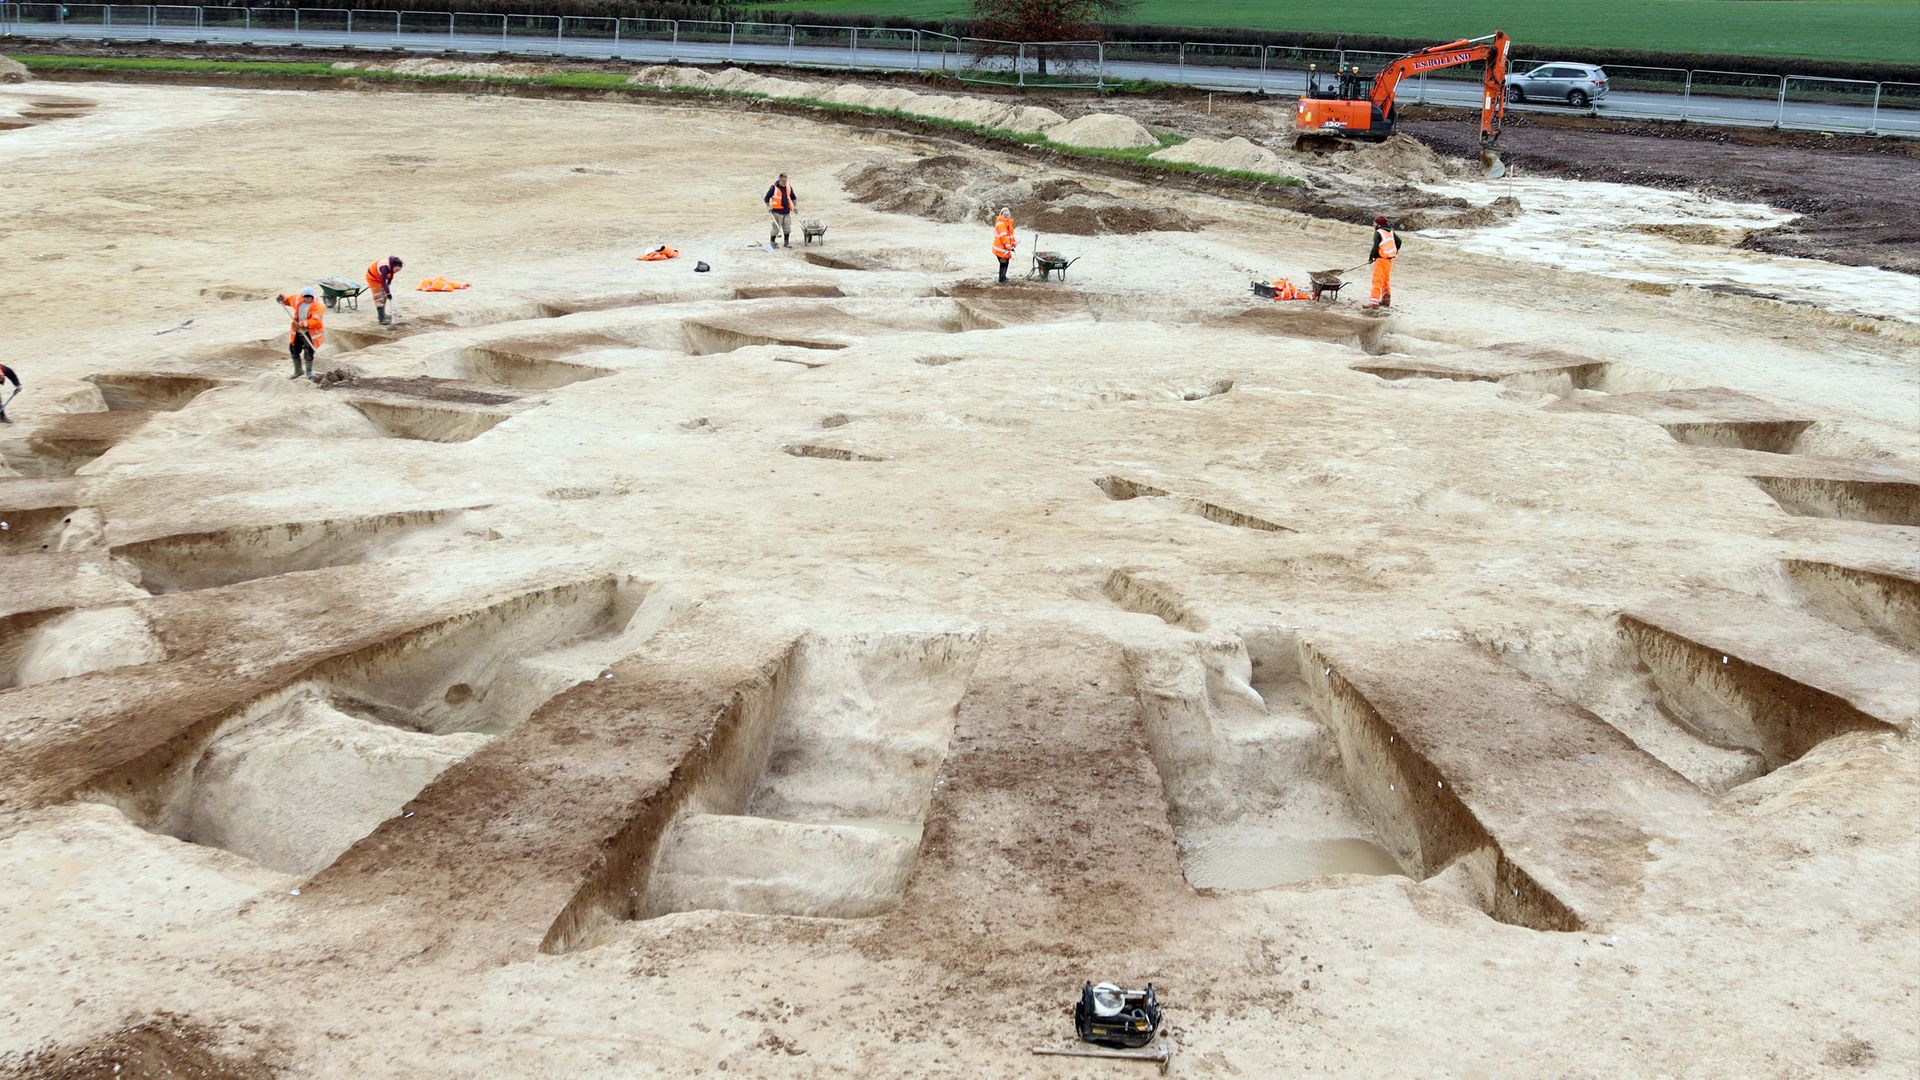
column 1340, row 106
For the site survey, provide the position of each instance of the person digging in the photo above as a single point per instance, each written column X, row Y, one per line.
column 1003, row 241
column 8, row 375
column 308, row 331
column 781, row 204
column 380, row 275
column 1386, row 247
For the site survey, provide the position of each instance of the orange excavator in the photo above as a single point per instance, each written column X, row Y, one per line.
column 1356, row 106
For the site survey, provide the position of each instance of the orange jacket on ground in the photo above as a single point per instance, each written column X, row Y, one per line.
column 1284, row 289
column 439, row 284
column 306, row 316
column 658, row 254
column 379, row 276
column 1003, row 241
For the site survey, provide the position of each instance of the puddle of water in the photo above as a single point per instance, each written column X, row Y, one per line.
column 1576, row 225
column 1245, row 859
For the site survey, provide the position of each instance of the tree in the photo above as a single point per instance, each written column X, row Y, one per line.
column 1045, row 20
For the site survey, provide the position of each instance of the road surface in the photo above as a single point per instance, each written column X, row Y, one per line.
column 1765, row 111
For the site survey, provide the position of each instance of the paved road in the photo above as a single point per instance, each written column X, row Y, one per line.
column 1621, row 104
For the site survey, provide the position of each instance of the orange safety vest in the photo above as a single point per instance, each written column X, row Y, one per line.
column 1283, row 289
column 1003, row 241
column 658, row 254
column 1389, row 247
column 306, row 317
column 378, row 278
column 782, row 200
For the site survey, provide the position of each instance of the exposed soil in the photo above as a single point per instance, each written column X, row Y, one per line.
column 163, row 1046
column 953, row 188
column 1855, row 194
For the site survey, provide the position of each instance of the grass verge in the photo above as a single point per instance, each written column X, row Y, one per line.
column 614, row 81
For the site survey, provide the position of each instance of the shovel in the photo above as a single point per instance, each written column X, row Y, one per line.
column 9, row 401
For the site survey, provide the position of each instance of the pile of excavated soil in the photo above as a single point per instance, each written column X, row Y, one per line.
column 476, row 70
column 162, row 1045
column 1103, row 131
column 1236, row 153
column 956, row 189
column 1459, row 215
column 1026, row 119
column 13, row 70
column 1694, row 233
column 1401, row 157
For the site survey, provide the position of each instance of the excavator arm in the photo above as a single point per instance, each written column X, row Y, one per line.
column 1490, row 50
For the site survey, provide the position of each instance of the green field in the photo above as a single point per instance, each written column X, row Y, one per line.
column 1886, row 31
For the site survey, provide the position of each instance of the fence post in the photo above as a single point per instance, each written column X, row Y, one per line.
column 1686, row 97
column 1183, row 62
column 1422, row 98
column 853, row 47
column 916, row 50
column 296, row 26
column 349, row 22
column 1873, row 119
column 1100, row 66
column 106, row 13
column 673, row 47
column 616, row 39
column 1263, row 69
column 732, row 29
column 559, row 30
column 1780, row 118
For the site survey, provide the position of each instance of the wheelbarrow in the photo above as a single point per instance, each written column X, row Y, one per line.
column 340, row 294
column 1329, row 282
column 811, row 230
column 1048, row 263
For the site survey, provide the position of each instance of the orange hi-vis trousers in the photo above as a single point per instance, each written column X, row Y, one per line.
column 1382, row 282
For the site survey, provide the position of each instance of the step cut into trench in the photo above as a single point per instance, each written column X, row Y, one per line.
column 205, row 560
column 1253, row 778
column 293, row 779
column 1725, row 701
column 816, row 808
column 59, row 445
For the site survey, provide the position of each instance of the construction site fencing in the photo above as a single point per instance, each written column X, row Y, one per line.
column 1716, row 97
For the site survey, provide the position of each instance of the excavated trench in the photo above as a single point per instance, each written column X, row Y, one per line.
column 1121, row 489
column 47, row 646
column 1560, row 380
column 828, row 453
column 1877, row 501
column 1726, row 702
column 501, row 366
column 1277, row 771
column 1767, row 436
column 186, row 561
column 1130, row 592
column 809, row 798
column 151, row 391
column 59, row 445
column 428, row 423
column 1252, row 777
column 1861, row 601
column 38, row 529
column 293, row 779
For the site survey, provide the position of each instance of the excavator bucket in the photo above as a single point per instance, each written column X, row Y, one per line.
column 1490, row 160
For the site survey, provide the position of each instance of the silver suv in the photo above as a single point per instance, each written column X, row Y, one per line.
column 1579, row 85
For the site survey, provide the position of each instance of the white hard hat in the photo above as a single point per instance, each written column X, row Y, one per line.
column 307, row 292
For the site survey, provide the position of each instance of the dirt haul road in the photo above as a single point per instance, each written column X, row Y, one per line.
column 822, row 665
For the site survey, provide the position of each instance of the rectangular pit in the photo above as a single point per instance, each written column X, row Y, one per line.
column 293, row 779
column 183, row 562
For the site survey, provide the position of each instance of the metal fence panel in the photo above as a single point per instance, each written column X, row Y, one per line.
column 1727, row 97
column 697, row 40
column 427, row 24
column 1896, row 109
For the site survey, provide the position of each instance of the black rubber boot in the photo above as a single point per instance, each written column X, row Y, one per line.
column 4, row 418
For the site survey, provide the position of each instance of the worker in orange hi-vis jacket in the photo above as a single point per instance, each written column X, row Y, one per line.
column 1003, row 241
column 380, row 275
column 308, row 331
column 1386, row 247
column 781, row 204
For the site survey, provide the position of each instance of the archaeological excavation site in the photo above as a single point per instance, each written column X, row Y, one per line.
column 827, row 661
